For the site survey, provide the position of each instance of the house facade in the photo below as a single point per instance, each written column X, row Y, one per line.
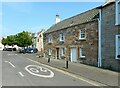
column 110, row 35
column 92, row 37
column 39, row 40
column 75, row 38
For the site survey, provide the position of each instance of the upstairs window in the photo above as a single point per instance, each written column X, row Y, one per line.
column 50, row 51
column 117, row 12
column 61, row 37
column 117, row 46
column 82, row 54
column 82, row 34
column 50, row 39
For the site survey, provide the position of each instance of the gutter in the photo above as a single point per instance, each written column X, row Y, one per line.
column 99, row 39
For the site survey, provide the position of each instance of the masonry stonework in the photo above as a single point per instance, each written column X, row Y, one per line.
column 109, row 31
column 71, row 35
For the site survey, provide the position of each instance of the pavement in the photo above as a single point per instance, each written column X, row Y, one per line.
column 104, row 76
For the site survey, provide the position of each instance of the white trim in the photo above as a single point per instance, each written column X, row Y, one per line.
column 81, row 53
column 50, row 39
column 50, row 51
column 99, row 39
column 117, row 13
column 82, row 33
column 62, row 35
column 63, row 52
column 117, row 52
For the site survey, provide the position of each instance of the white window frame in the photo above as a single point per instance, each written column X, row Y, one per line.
column 62, row 37
column 117, row 11
column 81, row 33
column 81, row 54
column 50, row 51
column 63, row 51
column 50, row 39
column 117, row 52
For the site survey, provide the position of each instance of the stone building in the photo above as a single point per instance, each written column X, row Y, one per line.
column 76, row 38
column 92, row 37
column 110, row 35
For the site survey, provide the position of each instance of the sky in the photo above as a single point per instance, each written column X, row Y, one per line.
column 33, row 16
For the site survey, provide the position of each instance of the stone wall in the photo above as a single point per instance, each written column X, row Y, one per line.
column 90, row 44
column 109, row 32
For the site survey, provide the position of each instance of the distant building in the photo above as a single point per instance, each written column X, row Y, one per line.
column 34, row 36
column 39, row 40
column 1, row 45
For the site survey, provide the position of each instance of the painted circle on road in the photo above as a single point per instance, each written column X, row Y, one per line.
column 34, row 70
column 39, row 71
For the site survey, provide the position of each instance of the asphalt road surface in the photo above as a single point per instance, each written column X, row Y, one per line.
column 18, row 70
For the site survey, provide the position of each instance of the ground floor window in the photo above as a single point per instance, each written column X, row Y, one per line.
column 50, row 51
column 82, row 54
column 63, row 51
column 117, row 46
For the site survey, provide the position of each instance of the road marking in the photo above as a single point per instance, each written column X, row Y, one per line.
column 72, row 75
column 10, row 64
column 21, row 74
column 36, row 70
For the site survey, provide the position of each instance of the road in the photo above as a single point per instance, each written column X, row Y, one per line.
column 19, row 70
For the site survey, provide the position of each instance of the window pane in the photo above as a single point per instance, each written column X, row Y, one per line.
column 119, row 13
column 82, row 33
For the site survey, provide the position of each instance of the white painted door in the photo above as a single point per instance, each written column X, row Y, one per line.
column 73, row 54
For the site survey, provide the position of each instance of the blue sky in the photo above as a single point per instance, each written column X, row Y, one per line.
column 33, row 16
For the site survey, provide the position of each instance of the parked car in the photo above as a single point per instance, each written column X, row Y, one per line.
column 9, row 49
column 28, row 50
column 31, row 50
column 22, row 50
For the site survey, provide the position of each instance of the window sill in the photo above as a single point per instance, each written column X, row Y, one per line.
column 117, row 58
column 61, row 40
column 82, row 39
column 82, row 56
column 117, row 24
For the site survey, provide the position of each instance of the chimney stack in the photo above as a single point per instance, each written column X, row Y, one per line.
column 57, row 19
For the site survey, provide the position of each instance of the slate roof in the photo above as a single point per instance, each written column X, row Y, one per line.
column 75, row 20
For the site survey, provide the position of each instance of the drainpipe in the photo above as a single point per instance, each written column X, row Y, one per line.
column 99, row 40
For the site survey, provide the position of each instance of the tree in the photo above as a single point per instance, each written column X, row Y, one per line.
column 24, row 39
column 4, row 41
column 10, row 40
